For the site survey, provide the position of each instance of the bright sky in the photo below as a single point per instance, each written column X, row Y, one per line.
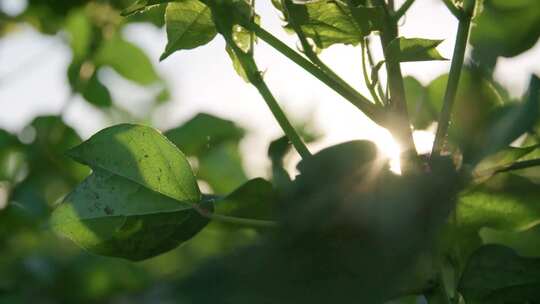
column 32, row 81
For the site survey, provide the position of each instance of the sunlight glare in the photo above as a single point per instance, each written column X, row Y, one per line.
column 423, row 141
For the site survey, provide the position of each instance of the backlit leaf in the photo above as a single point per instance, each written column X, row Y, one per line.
column 189, row 25
column 139, row 200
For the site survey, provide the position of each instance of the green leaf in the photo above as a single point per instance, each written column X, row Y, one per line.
column 504, row 158
column 497, row 32
column 114, row 216
column 329, row 22
column 506, row 202
column 514, row 120
column 128, row 60
column 96, row 93
column 141, row 5
column 255, row 199
column 414, row 49
column 202, row 133
column 139, row 200
column 12, row 158
column 421, row 111
column 496, row 274
column 236, row 64
column 142, row 155
column 525, row 242
column 189, row 25
column 222, row 168
column 79, row 29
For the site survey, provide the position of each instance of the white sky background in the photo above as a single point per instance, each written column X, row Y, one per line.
column 33, row 81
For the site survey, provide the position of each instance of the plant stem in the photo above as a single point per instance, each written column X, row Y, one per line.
column 278, row 113
column 453, row 79
column 520, row 165
column 372, row 111
column 367, row 79
column 452, row 8
column 255, row 78
column 235, row 220
column 306, row 46
column 402, row 10
column 398, row 123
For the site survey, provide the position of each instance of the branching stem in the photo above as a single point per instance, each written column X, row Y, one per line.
column 402, row 10
column 372, row 111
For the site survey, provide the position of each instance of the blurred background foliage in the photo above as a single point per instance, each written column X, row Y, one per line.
column 37, row 267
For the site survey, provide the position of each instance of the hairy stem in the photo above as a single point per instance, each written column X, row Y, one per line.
column 453, row 78
column 372, row 111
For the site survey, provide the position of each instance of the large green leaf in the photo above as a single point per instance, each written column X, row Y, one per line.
column 189, row 25
column 496, row 274
column 414, row 49
column 526, row 242
column 139, row 200
column 128, row 60
column 505, row 28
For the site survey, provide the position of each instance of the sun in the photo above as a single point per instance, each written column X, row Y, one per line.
column 423, row 141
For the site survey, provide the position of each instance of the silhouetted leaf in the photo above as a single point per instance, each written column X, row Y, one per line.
column 189, row 25
column 256, row 199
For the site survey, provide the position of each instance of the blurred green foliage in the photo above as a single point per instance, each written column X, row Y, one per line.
column 345, row 229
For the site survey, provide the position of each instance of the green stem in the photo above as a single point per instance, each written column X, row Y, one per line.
column 402, row 10
column 453, row 9
column 306, row 46
column 520, row 165
column 255, row 78
column 372, row 111
column 372, row 66
column 236, row 220
column 398, row 124
column 453, row 78
column 367, row 79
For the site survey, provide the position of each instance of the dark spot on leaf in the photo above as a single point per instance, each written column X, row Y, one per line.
column 108, row 210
